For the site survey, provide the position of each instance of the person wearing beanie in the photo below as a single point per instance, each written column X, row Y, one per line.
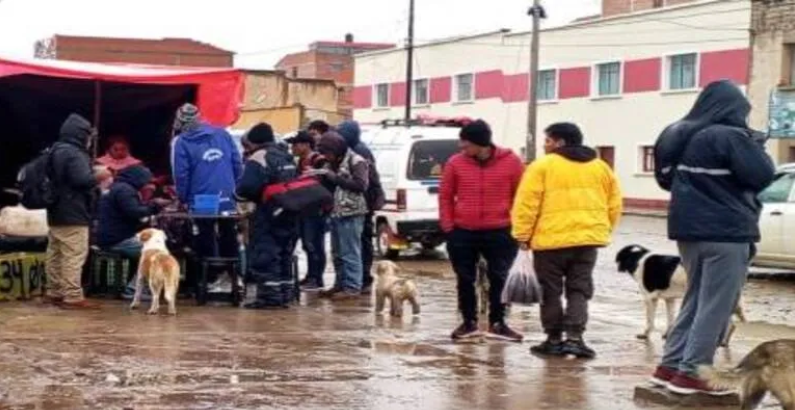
column 475, row 196
column 273, row 233
column 351, row 132
column 567, row 206
column 347, row 173
column 206, row 161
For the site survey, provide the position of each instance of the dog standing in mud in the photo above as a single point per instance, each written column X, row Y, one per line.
column 397, row 290
column 160, row 269
column 770, row 367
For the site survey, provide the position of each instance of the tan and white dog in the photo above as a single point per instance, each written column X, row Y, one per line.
column 396, row 289
column 160, row 269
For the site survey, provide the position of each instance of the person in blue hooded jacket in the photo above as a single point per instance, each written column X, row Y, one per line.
column 352, row 134
column 206, row 161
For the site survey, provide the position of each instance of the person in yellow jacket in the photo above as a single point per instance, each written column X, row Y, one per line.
column 567, row 205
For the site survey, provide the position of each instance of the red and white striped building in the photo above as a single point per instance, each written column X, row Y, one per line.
column 621, row 78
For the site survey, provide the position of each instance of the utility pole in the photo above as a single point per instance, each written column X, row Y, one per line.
column 537, row 12
column 409, row 63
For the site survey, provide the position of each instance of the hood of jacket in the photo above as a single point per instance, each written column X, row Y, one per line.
column 332, row 143
column 577, row 153
column 137, row 176
column 75, row 131
column 350, row 132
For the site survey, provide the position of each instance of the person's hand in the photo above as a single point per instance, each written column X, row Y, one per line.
column 162, row 202
column 318, row 172
column 102, row 174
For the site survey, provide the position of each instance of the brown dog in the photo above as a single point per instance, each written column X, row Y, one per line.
column 770, row 367
column 160, row 269
column 398, row 290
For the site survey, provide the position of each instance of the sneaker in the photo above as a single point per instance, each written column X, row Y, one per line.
column 501, row 331
column 79, row 305
column 222, row 285
column 367, row 290
column 311, row 286
column 345, row 295
column 662, row 376
column 548, row 348
column 684, row 384
column 467, row 330
column 330, row 292
column 578, row 349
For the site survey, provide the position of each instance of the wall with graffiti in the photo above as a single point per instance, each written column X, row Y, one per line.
column 21, row 276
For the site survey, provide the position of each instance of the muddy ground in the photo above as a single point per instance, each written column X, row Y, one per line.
column 343, row 356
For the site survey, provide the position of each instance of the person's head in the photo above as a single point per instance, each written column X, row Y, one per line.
column 260, row 135
column 77, row 131
column 302, row 144
column 332, row 146
column 317, row 128
column 721, row 102
column 562, row 134
column 475, row 139
column 137, row 176
column 188, row 118
column 118, row 147
column 351, row 132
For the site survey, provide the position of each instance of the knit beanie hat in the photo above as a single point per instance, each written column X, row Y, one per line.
column 261, row 133
column 477, row 132
column 188, row 118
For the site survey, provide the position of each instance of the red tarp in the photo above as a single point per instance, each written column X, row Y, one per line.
column 220, row 90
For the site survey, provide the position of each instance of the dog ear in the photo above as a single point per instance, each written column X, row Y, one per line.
column 144, row 235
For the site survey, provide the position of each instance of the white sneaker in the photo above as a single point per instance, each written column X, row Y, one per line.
column 222, row 285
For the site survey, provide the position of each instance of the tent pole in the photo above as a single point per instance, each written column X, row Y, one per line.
column 97, row 112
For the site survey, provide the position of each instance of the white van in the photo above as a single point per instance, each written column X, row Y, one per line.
column 410, row 162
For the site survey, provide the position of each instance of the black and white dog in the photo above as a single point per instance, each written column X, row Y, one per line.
column 661, row 277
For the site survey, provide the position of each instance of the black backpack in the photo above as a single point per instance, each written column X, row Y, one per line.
column 36, row 182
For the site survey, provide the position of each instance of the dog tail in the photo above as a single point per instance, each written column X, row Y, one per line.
column 722, row 379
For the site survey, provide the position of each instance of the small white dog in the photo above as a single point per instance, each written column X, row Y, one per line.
column 398, row 290
column 160, row 268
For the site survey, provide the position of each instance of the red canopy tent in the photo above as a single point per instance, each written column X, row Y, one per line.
column 137, row 101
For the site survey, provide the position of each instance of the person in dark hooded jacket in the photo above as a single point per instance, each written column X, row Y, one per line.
column 714, row 166
column 274, row 232
column 69, row 217
column 567, row 206
column 351, row 132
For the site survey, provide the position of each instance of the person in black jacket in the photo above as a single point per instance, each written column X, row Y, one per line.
column 714, row 167
column 74, row 185
column 351, row 132
column 273, row 231
column 122, row 214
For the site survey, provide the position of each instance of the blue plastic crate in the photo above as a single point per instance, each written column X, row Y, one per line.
column 206, row 204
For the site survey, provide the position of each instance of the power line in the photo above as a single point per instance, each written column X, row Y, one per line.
column 585, row 45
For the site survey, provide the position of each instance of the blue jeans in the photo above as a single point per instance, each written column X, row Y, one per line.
column 716, row 274
column 313, row 240
column 346, row 247
column 131, row 248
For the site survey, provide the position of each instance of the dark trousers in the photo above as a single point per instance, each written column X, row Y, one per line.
column 313, row 239
column 367, row 250
column 209, row 243
column 271, row 246
column 571, row 271
column 465, row 249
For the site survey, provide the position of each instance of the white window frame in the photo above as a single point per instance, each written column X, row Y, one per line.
column 790, row 74
column 639, row 159
column 415, row 94
column 595, row 80
column 377, row 104
column 666, row 71
column 456, row 97
column 557, row 85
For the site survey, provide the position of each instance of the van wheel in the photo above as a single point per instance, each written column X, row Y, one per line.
column 382, row 242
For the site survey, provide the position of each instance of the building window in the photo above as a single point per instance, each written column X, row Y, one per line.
column 682, row 71
column 607, row 154
column 382, row 95
column 647, row 159
column 464, row 87
column 421, row 92
column 658, row 3
column 791, row 66
column 547, row 85
column 608, row 79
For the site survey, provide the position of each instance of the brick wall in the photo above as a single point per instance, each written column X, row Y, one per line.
column 773, row 15
column 615, row 7
column 326, row 66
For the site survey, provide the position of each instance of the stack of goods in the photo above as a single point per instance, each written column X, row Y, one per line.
column 23, row 230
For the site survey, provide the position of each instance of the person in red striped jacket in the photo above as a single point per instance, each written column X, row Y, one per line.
column 475, row 198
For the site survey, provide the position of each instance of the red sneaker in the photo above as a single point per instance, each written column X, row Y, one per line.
column 662, row 376
column 685, row 384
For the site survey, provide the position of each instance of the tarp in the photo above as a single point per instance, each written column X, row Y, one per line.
column 220, row 90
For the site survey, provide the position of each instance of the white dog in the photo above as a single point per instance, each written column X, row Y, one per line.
column 160, row 268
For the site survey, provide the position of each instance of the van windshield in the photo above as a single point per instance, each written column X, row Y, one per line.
column 427, row 158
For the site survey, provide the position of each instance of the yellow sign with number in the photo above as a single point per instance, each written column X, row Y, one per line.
column 21, row 276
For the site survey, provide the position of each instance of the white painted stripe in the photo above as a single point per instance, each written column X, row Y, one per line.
column 708, row 171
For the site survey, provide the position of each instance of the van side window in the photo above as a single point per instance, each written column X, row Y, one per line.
column 427, row 158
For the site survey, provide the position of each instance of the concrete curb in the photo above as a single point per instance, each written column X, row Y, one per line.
column 646, row 213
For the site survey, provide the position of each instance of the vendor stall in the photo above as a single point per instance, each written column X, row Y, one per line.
column 138, row 102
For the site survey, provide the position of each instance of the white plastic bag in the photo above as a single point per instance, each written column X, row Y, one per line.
column 522, row 286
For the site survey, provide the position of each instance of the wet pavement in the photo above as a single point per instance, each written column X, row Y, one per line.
column 343, row 356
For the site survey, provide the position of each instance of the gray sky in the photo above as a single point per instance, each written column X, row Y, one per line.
column 261, row 31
